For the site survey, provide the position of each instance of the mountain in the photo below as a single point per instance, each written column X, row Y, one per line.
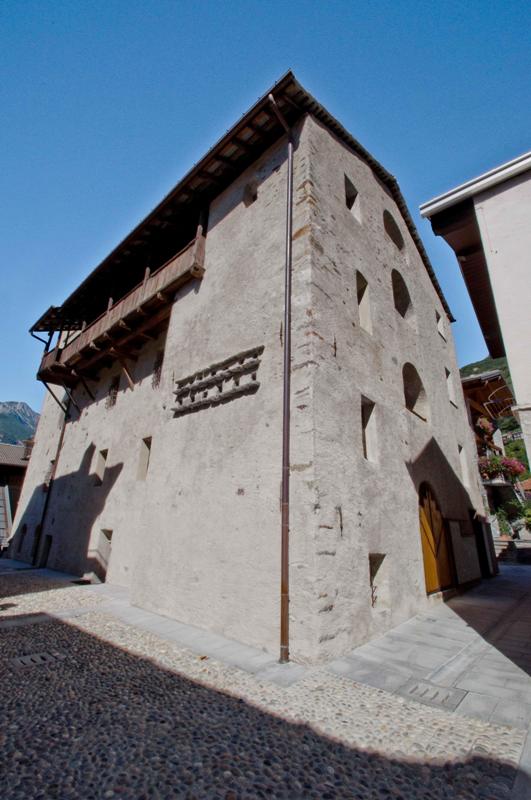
column 17, row 422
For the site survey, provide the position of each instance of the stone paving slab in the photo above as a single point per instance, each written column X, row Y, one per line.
column 516, row 714
column 468, row 646
column 368, row 672
column 477, row 705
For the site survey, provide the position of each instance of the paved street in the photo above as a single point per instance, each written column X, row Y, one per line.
column 103, row 700
column 472, row 654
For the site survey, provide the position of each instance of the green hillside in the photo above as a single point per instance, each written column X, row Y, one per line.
column 485, row 365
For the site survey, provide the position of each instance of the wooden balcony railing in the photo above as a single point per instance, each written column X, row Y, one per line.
column 117, row 332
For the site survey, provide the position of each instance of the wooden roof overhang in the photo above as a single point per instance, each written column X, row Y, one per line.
column 257, row 130
column 489, row 394
column 459, row 227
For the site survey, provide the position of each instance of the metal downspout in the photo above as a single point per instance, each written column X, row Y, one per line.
column 50, row 485
column 284, row 497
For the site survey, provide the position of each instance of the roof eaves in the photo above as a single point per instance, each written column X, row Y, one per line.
column 487, row 180
column 306, row 103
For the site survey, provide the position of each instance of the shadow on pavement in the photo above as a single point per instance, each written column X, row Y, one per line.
column 500, row 611
column 11, row 584
column 100, row 722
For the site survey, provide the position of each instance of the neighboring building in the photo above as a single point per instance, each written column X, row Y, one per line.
column 488, row 399
column 13, row 463
column 486, row 221
column 165, row 475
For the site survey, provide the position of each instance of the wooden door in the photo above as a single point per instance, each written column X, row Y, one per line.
column 436, row 548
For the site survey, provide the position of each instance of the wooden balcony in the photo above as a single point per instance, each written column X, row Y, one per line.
column 120, row 332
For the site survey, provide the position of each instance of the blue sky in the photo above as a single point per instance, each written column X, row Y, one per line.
column 106, row 105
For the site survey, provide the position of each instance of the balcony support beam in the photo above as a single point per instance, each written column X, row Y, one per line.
column 127, row 374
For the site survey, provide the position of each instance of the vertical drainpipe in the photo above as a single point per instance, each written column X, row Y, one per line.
column 284, row 497
column 51, row 479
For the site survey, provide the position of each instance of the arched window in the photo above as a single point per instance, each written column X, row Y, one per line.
column 415, row 396
column 392, row 229
column 401, row 297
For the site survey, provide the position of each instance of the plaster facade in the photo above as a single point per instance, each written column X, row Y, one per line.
column 192, row 525
column 502, row 213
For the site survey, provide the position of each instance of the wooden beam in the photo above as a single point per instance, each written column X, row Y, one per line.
column 209, row 176
column 226, row 161
column 481, row 409
column 127, row 374
column 150, row 322
column 119, row 353
column 244, row 145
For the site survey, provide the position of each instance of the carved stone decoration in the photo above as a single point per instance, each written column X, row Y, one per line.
column 219, row 383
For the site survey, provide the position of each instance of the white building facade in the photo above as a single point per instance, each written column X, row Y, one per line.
column 487, row 222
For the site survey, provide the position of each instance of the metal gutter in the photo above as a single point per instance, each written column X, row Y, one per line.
column 475, row 186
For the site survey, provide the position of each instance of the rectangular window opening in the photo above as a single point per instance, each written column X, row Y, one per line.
column 450, row 387
column 379, row 581
column 143, row 461
column 368, row 429
column 101, row 460
column 440, row 325
column 352, row 199
column 364, row 308
column 463, row 463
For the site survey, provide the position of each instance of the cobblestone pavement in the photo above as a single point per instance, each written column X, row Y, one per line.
column 108, row 710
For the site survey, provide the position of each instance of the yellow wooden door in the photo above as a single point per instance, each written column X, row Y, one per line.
column 435, row 545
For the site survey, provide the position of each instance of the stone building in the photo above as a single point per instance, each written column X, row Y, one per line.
column 165, row 474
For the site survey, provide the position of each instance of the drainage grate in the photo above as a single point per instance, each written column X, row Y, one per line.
column 37, row 659
column 432, row 695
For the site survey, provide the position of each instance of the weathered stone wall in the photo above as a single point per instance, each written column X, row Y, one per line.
column 363, row 506
column 199, row 537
